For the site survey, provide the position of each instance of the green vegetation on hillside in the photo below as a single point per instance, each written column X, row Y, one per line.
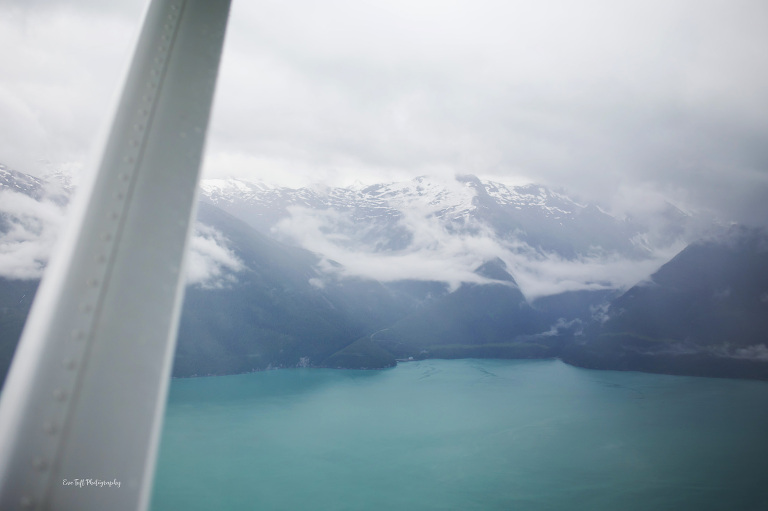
column 361, row 354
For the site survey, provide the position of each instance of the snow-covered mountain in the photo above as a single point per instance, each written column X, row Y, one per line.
column 385, row 217
column 56, row 186
column 425, row 229
column 425, row 268
column 12, row 180
column 441, row 230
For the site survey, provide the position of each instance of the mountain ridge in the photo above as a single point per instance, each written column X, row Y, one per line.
column 258, row 302
column 704, row 313
column 529, row 213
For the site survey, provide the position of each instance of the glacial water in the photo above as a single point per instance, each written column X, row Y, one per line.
column 464, row 435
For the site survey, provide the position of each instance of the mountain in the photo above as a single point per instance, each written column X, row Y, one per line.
column 376, row 218
column 12, row 181
column 15, row 300
column 705, row 313
column 255, row 301
column 55, row 187
column 278, row 311
column 15, row 294
column 282, row 310
column 552, row 222
column 491, row 319
column 15, row 181
column 254, row 304
column 261, row 303
column 275, row 310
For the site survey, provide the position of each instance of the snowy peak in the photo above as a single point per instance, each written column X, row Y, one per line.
column 232, row 189
column 19, row 182
column 551, row 204
column 434, row 197
column 441, row 198
column 383, row 216
column 393, row 195
column 554, row 204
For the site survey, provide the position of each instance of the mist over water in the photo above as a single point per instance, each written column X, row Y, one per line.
column 464, row 434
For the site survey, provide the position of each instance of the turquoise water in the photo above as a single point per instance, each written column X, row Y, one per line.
column 464, row 435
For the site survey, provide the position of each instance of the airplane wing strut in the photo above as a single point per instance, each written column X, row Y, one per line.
column 84, row 399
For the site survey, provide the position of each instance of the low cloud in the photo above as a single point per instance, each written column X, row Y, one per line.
column 541, row 274
column 433, row 254
column 754, row 352
column 210, row 262
column 437, row 252
column 28, row 231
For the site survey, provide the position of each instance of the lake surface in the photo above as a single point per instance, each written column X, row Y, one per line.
column 464, row 435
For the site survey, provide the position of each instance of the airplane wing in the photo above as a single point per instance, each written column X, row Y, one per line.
column 84, row 399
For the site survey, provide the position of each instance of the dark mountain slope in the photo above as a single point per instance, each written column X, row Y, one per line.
column 705, row 312
column 279, row 311
column 482, row 320
column 15, row 300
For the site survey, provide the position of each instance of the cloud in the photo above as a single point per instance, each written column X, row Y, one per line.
column 432, row 253
column 754, row 352
column 58, row 85
column 542, row 274
column 210, row 263
column 28, row 231
column 438, row 252
column 665, row 99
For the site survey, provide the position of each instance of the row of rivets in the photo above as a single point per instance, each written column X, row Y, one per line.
column 50, row 428
column 39, row 464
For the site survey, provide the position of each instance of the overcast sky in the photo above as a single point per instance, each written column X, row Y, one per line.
column 627, row 102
